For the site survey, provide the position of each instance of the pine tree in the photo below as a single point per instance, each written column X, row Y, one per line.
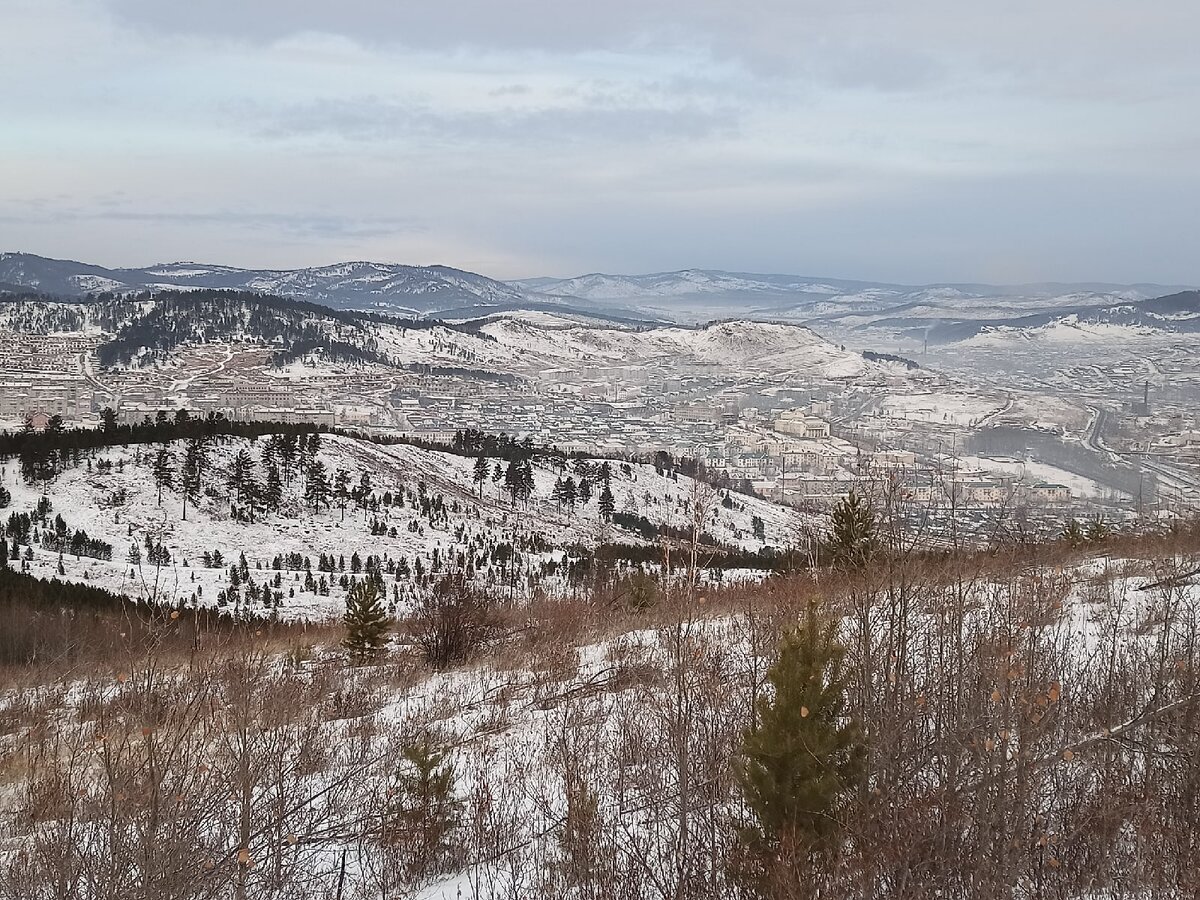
column 362, row 493
column 287, row 455
column 193, row 472
column 341, row 489
column 480, row 475
column 164, row 470
column 569, row 494
column 526, row 483
column 316, row 485
column 851, row 538
column 273, row 493
column 512, row 480
column 607, row 503
column 239, row 473
column 801, row 759
column 366, row 621
column 424, row 814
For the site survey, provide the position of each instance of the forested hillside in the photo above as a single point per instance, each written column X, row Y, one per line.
column 293, row 328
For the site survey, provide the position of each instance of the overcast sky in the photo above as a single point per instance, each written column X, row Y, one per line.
column 900, row 140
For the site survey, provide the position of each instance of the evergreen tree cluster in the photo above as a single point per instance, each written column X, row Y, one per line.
column 77, row 543
column 471, row 442
column 34, row 313
column 181, row 317
column 44, row 455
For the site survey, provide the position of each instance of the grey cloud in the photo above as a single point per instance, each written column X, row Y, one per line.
column 378, row 119
column 295, row 224
column 1064, row 45
column 509, row 90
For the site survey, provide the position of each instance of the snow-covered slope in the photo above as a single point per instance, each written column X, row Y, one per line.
column 420, row 289
column 442, row 512
column 741, row 347
column 1084, row 323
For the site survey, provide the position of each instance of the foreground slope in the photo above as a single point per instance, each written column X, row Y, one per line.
column 1029, row 722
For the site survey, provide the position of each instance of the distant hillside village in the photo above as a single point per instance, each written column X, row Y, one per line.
column 791, row 455
column 777, row 409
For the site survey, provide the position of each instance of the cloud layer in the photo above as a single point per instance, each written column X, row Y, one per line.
column 919, row 141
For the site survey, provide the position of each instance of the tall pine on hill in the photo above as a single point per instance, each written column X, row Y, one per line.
column 802, row 759
column 480, row 473
column 366, row 620
column 164, row 470
column 607, row 503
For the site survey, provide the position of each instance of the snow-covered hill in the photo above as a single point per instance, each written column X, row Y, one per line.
column 739, row 347
column 703, row 292
column 1088, row 322
column 522, row 343
column 426, row 510
column 359, row 285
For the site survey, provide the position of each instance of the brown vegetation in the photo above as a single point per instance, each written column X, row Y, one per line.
column 1031, row 718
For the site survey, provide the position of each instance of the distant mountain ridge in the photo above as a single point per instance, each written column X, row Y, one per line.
column 345, row 285
column 1177, row 313
column 688, row 295
column 717, row 281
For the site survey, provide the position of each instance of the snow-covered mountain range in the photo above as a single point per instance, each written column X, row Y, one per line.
column 688, row 296
column 707, row 292
column 410, row 290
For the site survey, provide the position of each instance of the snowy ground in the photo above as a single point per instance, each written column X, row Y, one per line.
column 120, row 506
column 1031, row 472
column 961, row 409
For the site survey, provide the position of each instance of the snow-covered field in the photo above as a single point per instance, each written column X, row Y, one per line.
column 961, row 409
column 1031, row 471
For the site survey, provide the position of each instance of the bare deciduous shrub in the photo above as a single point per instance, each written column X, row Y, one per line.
column 1032, row 731
column 452, row 622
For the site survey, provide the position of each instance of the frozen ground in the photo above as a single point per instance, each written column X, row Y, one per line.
column 960, row 408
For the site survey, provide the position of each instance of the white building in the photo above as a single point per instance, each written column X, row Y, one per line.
column 800, row 424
